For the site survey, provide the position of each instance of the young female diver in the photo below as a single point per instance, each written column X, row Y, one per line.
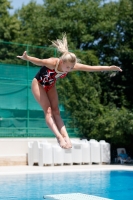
column 44, row 88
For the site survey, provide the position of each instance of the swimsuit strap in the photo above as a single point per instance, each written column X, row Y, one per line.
column 57, row 64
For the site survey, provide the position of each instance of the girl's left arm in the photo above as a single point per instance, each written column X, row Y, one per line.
column 82, row 67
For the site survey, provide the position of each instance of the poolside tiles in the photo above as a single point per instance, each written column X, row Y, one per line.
column 73, row 196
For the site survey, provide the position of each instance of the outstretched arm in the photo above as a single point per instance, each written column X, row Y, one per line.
column 82, row 67
column 50, row 62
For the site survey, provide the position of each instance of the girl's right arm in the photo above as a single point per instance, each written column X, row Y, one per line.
column 50, row 62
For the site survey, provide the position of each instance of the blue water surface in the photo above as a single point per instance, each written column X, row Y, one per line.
column 117, row 185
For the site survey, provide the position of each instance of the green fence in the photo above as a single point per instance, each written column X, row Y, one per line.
column 20, row 114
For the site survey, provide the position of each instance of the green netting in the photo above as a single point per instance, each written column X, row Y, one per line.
column 20, row 114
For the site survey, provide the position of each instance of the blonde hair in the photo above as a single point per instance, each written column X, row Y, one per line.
column 62, row 47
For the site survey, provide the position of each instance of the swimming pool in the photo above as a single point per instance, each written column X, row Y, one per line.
column 117, row 185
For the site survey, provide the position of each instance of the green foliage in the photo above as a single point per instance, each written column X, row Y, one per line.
column 115, row 125
column 113, row 32
column 40, row 24
column 74, row 18
column 9, row 31
column 9, row 25
column 33, row 22
column 125, row 50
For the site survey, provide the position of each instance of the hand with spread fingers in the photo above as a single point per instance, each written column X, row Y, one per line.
column 24, row 56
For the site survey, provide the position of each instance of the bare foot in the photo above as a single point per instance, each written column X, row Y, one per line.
column 67, row 140
column 62, row 142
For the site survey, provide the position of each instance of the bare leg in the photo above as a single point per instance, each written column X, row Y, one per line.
column 42, row 97
column 53, row 97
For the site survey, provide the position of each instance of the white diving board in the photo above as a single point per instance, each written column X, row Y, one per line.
column 73, row 196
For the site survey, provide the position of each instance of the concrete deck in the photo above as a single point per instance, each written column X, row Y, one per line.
column 10, row 170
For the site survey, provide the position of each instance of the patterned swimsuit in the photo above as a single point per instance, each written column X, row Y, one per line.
column 47, row 77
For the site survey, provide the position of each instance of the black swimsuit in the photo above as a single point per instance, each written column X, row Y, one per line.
column 47, row 77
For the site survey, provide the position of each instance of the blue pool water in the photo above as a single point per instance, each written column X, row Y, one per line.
column 117, row 185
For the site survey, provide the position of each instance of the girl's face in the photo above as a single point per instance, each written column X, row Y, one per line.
column 66, row 66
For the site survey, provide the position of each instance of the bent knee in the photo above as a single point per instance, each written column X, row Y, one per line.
column 56, row 111
column 48, row 111
column 52, row 112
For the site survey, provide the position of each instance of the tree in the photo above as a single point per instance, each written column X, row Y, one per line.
column 30, row 17
column 125, row 47
column 113, row 33
column 63, row 16
column 47, row 22
column 9, row 31
column 9, row 25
